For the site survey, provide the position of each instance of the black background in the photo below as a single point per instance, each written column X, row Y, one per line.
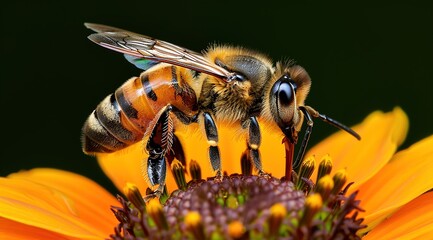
column 361, row 58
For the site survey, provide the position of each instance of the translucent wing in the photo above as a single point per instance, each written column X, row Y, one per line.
column 142, row 46
column 141, row 63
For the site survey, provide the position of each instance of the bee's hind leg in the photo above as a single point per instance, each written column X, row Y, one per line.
column 158, row 146
column 163, row 147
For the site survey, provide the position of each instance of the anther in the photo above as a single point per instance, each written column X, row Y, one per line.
column 305, row 172
column 133, row 194
column 325, row 167
column 277, row 214
column 324, row 186
column 195, row 170
column 313, row 204
column 236, row 229
column 154, row 210
column 179, row 174
column 340, row 179
column 194, row 225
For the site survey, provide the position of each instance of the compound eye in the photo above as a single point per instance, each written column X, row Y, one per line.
column 285, row 94
column 287, row 78
column 284, row 91
column 283, row 102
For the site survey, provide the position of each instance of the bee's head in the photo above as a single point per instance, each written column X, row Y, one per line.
column 289, row 91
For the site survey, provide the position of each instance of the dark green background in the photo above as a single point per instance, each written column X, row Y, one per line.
column 360, row 58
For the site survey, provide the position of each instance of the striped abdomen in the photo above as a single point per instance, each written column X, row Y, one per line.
column 122, row 118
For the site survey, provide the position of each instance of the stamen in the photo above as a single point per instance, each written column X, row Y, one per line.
column 305, row 172
column 340, row 179
column 313, row 204
column 246, row 166
column 277, row 214
column 242, row 207
column 325, row 167
column 179, row 174
column 194, row 224
column 324, row 186
column 154, row 209
column 236, row 229
column 133, row 194
column 195, row 170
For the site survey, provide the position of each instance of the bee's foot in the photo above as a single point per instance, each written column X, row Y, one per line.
column 151, row 196
column 264, row 174
column 155, row 194
column 218, row 177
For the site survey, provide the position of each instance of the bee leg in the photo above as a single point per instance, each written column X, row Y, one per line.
column 158, row 146
column 305, row 140
column 212, row 139
column 253, row 143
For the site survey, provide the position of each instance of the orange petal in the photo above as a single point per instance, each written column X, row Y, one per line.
column 57, row 201
column 381, row 134
column 413, row 221
column 129, row 165
column 18, row 231
column 406, row 176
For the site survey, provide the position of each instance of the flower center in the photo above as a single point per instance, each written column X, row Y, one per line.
column 242, row 207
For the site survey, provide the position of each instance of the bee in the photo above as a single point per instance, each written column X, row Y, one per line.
column 181, row 87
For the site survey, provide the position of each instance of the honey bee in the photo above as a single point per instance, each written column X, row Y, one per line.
column 182, row 87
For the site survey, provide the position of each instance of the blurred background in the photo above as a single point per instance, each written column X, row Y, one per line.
column 361, row 59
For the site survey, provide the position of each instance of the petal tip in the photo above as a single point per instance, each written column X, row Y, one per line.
column 402, row 121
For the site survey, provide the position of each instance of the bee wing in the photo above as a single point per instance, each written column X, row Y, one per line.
column 142, row 46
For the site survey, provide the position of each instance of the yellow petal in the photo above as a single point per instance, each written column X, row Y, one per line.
column 129, row 165
column 57, row 201
column 381, row 134
column 406, row 176
column 125, row 166
column 413, row 221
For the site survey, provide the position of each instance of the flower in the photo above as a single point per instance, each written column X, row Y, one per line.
column 391, row 187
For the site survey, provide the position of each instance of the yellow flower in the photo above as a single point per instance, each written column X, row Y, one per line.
column 392, row 187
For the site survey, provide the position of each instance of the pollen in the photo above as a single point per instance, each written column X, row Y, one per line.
column 313, row 204
column 154, row 209
column 324, row 186
column 236, row 229
column 194, row 225
column 277, row 214
column 192, row 219
column 278, row 210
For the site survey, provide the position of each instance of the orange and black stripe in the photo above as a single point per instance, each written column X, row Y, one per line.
column 122, row 118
